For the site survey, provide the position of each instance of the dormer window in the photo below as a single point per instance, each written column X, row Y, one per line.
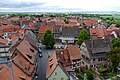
column 32, row 50
column 51, row 65
column 29, row 56
column 51, row 60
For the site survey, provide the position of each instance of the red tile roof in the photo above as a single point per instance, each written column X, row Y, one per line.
column 25, row 65
column 27, row 51
column 52, row 63
column 99, row 32
column 74, row 52
column 3, row 41
column 5, row 73
column 44, row 28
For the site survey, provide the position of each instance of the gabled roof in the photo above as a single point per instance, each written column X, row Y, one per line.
column 3, row 41
column 74, row 31
column 52, row 64
column 74, row 52
column 98, row 47
column 42, row 29
column 99, row 32
column 63, row 55
column 5, row 73
column 31, row 38
column 27, row 51
column 23, row 64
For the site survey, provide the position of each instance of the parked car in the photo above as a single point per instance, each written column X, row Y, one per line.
column 40, row 52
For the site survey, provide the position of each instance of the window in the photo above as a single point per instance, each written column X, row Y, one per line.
column 55, row 73
column 32, row 50
column 51, row 60
column 22, row 78
column 51, row 65
column 93, row 59
column 82, row 62
column 29, row 56
column 99, row 59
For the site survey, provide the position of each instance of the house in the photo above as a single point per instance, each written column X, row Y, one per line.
column 55, row 70
column 4, row 52
column 42, row 30
column 6, row 73
column 94, row 53
column 70, row 57
column 69, row 34
column 98, row 32
column 3, row 41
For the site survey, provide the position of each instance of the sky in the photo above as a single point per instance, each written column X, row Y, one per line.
column 59, row 5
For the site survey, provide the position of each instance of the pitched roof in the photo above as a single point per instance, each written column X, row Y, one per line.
column 5, row 73
column 63, row 55
column 74, row 52
column 71, row 31
column 42, row 29
column 98, row 47
column 27, row 51
column 52, row 64
column 23, row 64
column 99, row 32
column 3, row 41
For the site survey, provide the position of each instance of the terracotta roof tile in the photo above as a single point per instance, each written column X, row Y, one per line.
column 44, row 28
column 5, row 73
column 20, row 61
column 99, row 32
column 3, row 41
column 74, row 52
column 27, row 51
column 52, row 63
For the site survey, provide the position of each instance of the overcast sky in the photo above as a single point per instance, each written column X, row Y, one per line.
column 59, row 5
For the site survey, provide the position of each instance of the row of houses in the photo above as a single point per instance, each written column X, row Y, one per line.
column 23, row 56
column 91, row 54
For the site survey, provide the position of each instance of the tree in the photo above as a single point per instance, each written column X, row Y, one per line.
column 116, row 42
column 89, row 75
column 114, row 56
column 83, row 35
column 48, row 39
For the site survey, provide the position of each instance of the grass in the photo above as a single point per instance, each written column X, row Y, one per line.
column 116, row 17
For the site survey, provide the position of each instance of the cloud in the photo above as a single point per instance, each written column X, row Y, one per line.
column 59, row 5
column 16, row 4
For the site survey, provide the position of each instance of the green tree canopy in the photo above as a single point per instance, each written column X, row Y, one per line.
column 48, row 39
column 83, row 35
column 114, row 56
column 116, row 42
column 89, row 75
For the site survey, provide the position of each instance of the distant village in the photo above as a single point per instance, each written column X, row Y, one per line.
column 23, row 56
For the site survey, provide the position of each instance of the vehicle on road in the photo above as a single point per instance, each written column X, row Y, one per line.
column 40, row 52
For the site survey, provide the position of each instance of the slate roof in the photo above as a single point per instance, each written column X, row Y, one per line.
column 74, row 31
column 98, row 47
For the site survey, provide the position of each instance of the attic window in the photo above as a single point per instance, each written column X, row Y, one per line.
column 29, row 56
column 22, row 78
column 51, row 65
column 51, row 60
column 32, row 50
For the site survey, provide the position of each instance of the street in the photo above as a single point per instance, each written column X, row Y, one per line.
column 42, row 65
